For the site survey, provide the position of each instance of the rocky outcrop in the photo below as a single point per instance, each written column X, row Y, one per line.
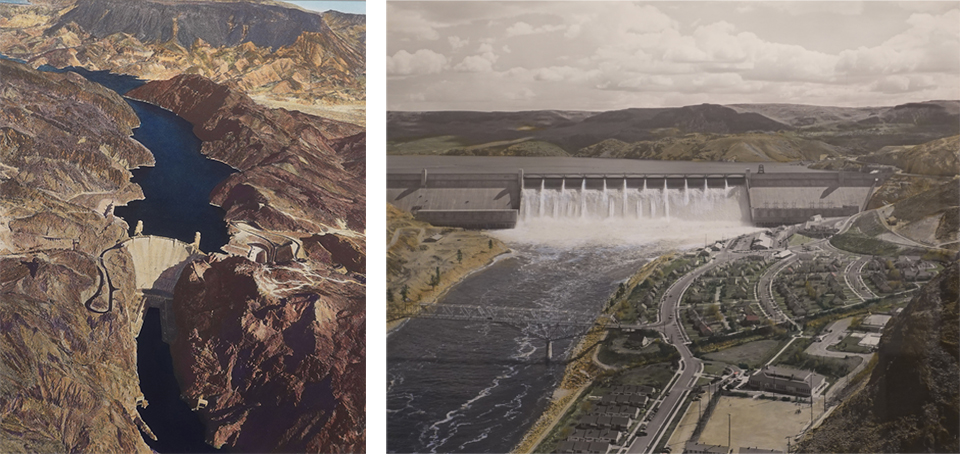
column 277, row 352
column 912, row 401
column 267, row 49
column 291, row 178
column 938, row 157
column 185, row 23
column 67, row 136
column 69, row 380
column 275, row 346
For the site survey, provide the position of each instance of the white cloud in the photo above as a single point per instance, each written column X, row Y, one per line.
column 482, row 63
column 931, row 44
column 903, row 84
column 423, row 61
column 505, row 49
column 797, row 8
column 456, row 43
column 523, row 28
column 411, row 23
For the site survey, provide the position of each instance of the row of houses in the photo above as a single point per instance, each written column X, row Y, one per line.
column 700, row 448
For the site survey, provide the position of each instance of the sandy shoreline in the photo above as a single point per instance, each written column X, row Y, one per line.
column 397, row 324
column 571, row 386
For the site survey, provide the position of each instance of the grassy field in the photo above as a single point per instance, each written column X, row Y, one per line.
column 859, row 243
column 849, row 345
column 752, row 353
column 798, row 239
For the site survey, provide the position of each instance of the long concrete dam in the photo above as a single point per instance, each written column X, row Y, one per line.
column 499, row 200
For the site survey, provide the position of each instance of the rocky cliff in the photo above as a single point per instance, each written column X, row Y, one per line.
column 912, row 401
column 266, row 49
column 277, row 352
column 273, row 336
column 68, row 368
column 292, row 178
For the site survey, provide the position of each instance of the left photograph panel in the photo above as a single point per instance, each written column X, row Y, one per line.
column 182, row 226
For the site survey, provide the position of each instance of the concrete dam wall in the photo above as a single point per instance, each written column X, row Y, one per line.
column 499, row 200
column 158, row 262
column 786, row 198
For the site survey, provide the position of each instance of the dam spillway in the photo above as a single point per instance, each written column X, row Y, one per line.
column 500, row 200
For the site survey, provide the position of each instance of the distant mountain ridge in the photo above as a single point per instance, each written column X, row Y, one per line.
column 806, row 132
column 218, row 24
column 268, row 49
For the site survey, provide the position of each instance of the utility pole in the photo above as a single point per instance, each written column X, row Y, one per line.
column 728, row 430
column 811, row 409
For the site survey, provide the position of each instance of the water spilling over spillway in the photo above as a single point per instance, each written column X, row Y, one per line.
column 623, row 202
column 575, row 212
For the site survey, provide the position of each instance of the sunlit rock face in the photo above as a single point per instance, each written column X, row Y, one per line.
column 274, row 51
column 292, row 177
column 272, row 337
column 277, row 352
column 69, row 377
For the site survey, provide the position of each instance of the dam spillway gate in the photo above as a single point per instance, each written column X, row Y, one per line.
column 500, row 200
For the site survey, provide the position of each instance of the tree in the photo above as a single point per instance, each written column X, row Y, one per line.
column 403, row 292
column 389, row 295
column 489, row 244
column 459, row 256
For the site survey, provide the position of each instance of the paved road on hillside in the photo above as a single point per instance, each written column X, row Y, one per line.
column 765, row 289
column 673, row 331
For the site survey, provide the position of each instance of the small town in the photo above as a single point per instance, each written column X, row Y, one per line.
column 778, row 324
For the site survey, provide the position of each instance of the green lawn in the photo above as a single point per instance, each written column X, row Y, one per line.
column 752, row 353
column 849, row 345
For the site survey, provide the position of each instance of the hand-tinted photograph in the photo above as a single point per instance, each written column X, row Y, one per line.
column 712, row 227
column 182, row 226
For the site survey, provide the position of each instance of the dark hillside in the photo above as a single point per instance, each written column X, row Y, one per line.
column 912, row 401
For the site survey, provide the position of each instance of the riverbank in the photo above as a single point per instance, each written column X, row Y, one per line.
column 424, row 262
column 581, row 372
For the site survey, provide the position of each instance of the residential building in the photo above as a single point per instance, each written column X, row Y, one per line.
column 785, row 380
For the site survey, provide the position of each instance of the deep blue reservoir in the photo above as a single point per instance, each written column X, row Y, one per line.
column 178, row 188
column 177, row 205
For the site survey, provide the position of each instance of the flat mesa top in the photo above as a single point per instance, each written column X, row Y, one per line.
column 571, row 165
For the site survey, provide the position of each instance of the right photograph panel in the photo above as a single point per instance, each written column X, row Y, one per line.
column 714, row 227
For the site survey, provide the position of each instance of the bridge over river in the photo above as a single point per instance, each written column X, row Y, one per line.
column 546, row 324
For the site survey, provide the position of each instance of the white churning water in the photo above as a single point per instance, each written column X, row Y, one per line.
column 618, row 213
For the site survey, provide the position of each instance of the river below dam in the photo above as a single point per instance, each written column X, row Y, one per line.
column 478, row 386
column 457, row 386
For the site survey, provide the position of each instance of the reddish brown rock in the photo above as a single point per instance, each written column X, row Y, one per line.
column 69, row 375
column 337, row 249
column 278, row 354
column 306, row 170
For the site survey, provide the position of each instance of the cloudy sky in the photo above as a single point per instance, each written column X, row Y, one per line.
column 611, row 55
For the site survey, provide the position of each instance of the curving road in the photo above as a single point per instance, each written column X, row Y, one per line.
column 691, row 367
column 765, row 290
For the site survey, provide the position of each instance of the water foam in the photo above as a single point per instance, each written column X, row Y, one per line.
column 674, row 217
